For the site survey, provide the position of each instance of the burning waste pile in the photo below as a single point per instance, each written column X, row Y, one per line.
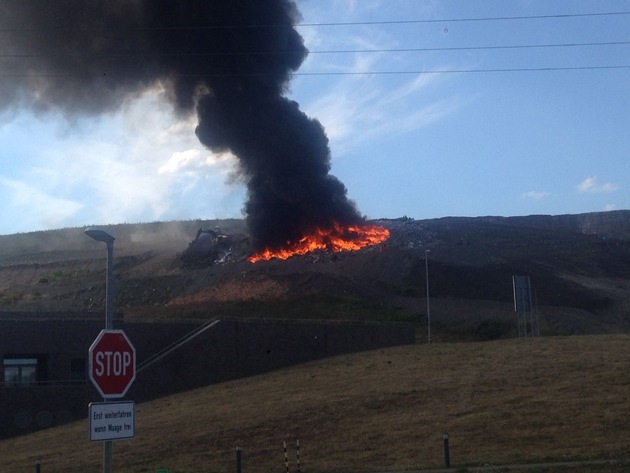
column 215, row 247
column 230, row 62
column 337, row 238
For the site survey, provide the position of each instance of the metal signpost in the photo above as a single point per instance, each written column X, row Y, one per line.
column 112, row 369
column 426, row 265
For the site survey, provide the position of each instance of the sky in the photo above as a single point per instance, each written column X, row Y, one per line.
column 432, row 109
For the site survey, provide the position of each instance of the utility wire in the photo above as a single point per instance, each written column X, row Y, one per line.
column 465, row 71
column 471, row 48
column 454, row 20
column 339, row 51
column 343, row 23
column 374, row 73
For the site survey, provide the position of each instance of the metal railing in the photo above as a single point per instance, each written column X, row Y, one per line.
column 176, row 344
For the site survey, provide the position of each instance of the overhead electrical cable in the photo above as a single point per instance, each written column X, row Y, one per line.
column 472, row 48
column 467, row 71
column 345, row 23
column 455, row 20
column 140, row 55
column 376, row 73
column 344, row 51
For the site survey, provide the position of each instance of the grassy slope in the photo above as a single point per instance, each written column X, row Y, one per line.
column 501, row 402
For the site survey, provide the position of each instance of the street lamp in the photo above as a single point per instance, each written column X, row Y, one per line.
column 108, row 239
column 426, row 266
column 102, row 235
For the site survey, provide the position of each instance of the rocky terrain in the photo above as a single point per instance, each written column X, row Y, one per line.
column 579, row 266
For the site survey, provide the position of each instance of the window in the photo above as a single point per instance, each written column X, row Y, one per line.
column 20, row 371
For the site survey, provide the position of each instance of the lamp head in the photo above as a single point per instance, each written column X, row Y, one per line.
column 99, row 235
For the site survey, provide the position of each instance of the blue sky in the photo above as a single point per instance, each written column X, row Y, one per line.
column 494, row 133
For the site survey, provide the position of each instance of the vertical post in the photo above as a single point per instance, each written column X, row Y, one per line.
column 297, row 454
column 103, row 236
column 38, row 466
column 516, row 305
column 109, row 325
column 447, row 455
column 109, row 287
column 238, row 460
column 286, row 457
column 426, row 265
column 107, row 455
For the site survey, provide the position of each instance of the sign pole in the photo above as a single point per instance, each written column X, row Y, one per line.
column 107, row 455
column 108, row 239
column 109, row 324
column 112, row 369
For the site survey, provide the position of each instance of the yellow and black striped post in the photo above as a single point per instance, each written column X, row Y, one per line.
column 286, row 456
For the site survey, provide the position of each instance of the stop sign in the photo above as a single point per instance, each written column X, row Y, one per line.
column 112, row 363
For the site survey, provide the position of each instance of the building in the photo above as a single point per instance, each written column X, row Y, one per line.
column 45, row 357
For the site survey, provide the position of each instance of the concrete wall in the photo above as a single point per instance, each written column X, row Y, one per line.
column 232, row 348
column 236, row 348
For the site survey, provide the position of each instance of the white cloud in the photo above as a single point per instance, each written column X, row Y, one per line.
column 609, row 207
column 358, row 109
column 140, row 164
column 592, row 185
column 179, row 131
column 535, row 195
column 192, row 161
column 31, row 206
column 180, row 160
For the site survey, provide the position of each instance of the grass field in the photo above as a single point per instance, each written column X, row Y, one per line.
column 503, row 402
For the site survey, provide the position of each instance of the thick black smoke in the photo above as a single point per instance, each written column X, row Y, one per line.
column 231, row 59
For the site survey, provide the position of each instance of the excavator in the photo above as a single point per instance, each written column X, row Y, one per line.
column 214, row 247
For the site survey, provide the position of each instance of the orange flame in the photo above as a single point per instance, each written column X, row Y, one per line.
column 336, row 238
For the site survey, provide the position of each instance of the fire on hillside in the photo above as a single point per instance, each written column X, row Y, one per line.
column 337, row 238
column 217, row 247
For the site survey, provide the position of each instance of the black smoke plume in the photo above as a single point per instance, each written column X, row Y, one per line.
column 230, row 59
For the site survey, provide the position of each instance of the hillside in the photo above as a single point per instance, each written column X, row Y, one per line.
column 514, row 401
column 578, row 264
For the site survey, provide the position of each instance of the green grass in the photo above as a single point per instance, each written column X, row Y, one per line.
column 516, row 401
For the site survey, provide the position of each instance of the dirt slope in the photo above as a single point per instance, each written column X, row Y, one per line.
column 579, row 267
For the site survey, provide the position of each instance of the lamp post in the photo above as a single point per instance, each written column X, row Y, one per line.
column 102, row 235
column 426, row 266
column 108, row 239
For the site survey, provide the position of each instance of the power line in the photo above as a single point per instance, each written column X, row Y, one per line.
column 465, row 71
column 338, row 51
column 375, row 73
column 454, row 20
column 472, row 48
column 342, row 23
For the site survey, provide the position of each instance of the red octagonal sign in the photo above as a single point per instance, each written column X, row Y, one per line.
column 112, row 363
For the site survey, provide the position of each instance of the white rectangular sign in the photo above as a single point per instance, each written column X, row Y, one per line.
column 112, row 420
